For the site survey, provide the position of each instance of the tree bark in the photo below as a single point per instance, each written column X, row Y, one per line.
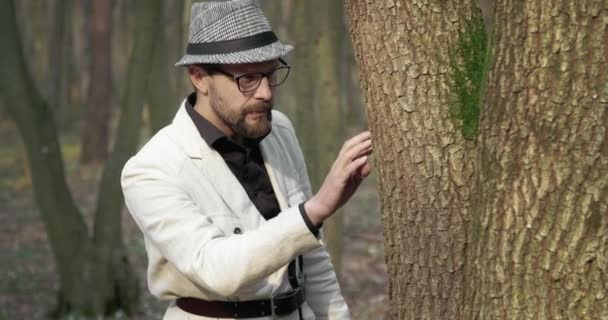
column 96, row 129
column 424, row 165
column 531, row 198
column 540, row 231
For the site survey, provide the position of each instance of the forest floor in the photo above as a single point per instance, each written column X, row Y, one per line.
column 28, row 282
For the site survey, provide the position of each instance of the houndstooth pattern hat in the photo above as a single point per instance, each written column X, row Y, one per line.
column 231, row 32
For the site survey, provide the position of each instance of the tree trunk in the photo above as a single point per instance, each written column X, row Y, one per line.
column 331, row 120
column 64, row 224
column 83, row 262
column 540, row 231
column 315, row 97
column 535, row 190
column 161, row 98
column 302, row 104
column 58, row 51
column 424, row 165
column 107, row 233
column 96, row 129
column 79, row 77
column 176, row 39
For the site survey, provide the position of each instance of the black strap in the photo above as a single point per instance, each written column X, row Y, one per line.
column 236, row 45
column 293, row 278
column 292, row 272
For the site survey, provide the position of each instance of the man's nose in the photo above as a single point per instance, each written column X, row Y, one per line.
column 264, row 91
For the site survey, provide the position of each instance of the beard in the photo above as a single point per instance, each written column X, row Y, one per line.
column 237, row 119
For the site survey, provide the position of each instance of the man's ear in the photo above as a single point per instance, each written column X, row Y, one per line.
column 200, row 78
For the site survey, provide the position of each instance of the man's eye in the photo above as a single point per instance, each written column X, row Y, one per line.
column 249, row 78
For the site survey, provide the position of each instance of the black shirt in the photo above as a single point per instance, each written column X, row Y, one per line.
column 246, row 163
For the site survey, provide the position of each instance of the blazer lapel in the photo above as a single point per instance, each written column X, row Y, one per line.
column 212, row 165
column 274, row 160
column 228, row 186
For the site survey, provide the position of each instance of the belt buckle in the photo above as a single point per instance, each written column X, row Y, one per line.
column 291, row 293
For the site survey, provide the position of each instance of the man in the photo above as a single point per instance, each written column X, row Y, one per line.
column 222, row 195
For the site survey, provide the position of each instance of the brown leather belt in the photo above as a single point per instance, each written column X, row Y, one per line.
column 279, row 305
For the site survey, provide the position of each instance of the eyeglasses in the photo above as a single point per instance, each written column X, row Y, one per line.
column 251, row 81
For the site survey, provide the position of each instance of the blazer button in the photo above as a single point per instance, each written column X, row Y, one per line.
column 238, row 230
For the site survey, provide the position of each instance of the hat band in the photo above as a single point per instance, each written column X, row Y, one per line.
column 230, row 46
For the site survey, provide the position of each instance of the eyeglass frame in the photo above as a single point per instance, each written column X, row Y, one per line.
column 215, row 68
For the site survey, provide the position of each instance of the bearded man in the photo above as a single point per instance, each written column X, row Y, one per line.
column 231, row 226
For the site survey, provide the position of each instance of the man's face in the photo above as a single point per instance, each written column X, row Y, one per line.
column 247, row 114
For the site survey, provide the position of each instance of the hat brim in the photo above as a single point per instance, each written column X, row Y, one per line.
column 269, row 52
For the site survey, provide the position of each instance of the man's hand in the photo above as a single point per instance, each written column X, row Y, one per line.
column 344, row 177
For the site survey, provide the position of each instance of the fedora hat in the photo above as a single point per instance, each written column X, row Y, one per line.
column 231, row 32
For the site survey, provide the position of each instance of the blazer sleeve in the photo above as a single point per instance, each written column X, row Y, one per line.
column 323, row 292
column 189, row 240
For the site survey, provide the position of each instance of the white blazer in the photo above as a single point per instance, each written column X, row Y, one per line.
column 188, row 203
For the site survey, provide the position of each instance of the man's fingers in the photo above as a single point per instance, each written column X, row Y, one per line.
column 356, row 164
column 350, row 143
column 365, row 170
column 362, row 149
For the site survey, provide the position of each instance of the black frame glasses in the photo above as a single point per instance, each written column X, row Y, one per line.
column 250, row 82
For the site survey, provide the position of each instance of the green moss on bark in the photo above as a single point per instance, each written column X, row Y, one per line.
column 468, row 64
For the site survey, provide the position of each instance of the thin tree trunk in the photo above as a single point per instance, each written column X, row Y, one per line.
column 83, row 263
column 33, row 18
column 57, row 49
column 540, row 230
column 64, row 224
column 176, row 38
column 284, row 99
column 96, row 129
column 331, row 121
column 79, row 58
column 424, row 165
column 161, row 97
column 107, row 230
column 303, row 103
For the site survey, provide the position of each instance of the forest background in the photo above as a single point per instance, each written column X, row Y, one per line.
column 85, row 63
column 490, row 127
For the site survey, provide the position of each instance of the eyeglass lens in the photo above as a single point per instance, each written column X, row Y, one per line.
column 250, row 82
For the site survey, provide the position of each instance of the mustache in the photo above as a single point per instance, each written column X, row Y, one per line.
column 258, row 107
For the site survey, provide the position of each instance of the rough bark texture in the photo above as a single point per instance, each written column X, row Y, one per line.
column 424, row 165
column 96, row 129
column 540, row 225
